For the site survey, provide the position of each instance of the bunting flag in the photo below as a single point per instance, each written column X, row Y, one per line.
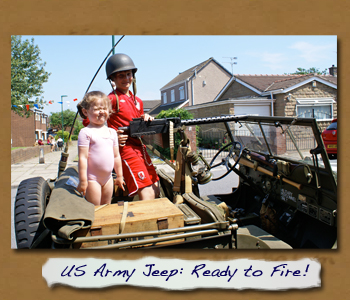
column 27, row 106
column 51, row 101
column 14, row 105
column 76, row 99
column 37, row 106
column 68, row 102
column 60, row 102
column 21, row 106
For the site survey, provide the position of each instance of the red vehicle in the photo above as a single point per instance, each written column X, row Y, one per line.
column 329, row 136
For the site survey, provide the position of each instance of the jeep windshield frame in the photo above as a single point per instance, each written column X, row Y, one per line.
column 297, row 140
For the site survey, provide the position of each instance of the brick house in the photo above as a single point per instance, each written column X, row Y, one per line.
column 26, row 131
column 197, row 85
column 308, row 95
column 150, row 104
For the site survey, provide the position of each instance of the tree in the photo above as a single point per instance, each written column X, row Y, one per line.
column 27, row 75
column 68, row 118
column 313, row 70
column 78, row 126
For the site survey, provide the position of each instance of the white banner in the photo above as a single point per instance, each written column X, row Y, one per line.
column 180, row 274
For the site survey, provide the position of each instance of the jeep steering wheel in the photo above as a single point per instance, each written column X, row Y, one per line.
column 225, row 161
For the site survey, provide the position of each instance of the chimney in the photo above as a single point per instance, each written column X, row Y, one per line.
column 333, row 71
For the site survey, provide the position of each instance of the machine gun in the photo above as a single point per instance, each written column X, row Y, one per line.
column 138, row 127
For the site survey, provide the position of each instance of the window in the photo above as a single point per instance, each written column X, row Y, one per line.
column 172, row 95
column 182, row 92
column 43, row 120
column 164, row 98
column 321, row 108
column 37, row 117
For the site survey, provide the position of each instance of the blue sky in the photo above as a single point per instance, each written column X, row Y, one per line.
column 74, row 60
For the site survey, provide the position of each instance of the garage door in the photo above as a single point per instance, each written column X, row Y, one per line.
column 257, row 110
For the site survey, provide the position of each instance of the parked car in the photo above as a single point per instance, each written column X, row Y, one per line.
column 329, row 136
column 286, row 197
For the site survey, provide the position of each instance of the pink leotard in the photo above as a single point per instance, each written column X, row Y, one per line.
column 101, row 154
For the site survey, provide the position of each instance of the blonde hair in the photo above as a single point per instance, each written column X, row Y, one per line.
column 89, row 100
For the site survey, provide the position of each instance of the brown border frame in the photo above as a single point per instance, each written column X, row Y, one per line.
column 21, row 270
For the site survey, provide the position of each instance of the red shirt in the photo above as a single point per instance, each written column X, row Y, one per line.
column 127, row 111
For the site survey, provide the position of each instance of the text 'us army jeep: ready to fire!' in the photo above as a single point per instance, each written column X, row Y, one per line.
column 286, row 196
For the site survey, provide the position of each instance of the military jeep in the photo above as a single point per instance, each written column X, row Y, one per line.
column 286, row 197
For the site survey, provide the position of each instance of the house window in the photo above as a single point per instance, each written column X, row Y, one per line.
column 321, row 108
column 43, row 120
column 37, row 117
column 172, row 95
column 182, row 92
column 164, row 98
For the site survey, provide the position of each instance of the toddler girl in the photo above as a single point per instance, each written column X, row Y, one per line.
column 98, row 151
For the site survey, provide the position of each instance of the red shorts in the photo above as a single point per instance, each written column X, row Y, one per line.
column 138, row 174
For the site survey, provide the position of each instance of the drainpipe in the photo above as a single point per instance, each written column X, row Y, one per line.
column 192, row 91
column 271, row 95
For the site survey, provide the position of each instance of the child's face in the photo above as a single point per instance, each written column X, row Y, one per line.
column 123, row 80
column 98, row 112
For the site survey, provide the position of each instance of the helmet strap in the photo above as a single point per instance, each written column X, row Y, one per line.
column 116, row 96
column 134, row 88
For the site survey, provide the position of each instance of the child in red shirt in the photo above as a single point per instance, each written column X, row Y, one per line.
column 139, row 173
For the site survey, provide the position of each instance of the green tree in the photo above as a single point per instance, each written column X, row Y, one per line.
column 78, row 126
column 68, row 118
column 27, row 75
column 313, row 70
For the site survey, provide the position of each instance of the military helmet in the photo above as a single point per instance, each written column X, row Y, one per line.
column 119, row 62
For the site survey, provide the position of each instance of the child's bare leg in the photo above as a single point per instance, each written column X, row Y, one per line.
column 149, row 192
column 107, row 192
column 93, row 193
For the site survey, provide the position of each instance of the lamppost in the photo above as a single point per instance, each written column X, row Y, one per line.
column 62, row 114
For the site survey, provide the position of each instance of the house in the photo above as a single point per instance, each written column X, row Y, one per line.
column 150, row 104
column 26, row 131
column 197, row 85
column 307, row 95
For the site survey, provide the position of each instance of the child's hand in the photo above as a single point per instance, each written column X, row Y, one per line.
column 119, row 181
column 147, row 117
column 122, row 137
column 82, row 187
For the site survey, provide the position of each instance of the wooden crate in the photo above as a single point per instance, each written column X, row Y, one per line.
column 141, row 216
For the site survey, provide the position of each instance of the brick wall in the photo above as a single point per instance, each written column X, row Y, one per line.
column 237, row 90
column 22, row 130
column 19, row 155
column 208, row 83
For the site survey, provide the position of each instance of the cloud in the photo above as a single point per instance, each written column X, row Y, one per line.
column 313, row 53
column 274, row 61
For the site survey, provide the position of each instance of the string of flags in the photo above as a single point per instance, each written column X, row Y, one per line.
column 27, row 106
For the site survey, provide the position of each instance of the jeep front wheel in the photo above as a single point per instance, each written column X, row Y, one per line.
column 31, row 199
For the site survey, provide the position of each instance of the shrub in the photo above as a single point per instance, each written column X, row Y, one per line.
column 65, row 134
column 74, row 137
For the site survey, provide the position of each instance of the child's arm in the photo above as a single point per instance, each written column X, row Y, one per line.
column 82, row 167
column 118, row 168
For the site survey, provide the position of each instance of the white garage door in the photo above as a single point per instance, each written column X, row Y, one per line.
column 257, row 110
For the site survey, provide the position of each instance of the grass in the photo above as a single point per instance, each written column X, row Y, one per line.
column 14, row 148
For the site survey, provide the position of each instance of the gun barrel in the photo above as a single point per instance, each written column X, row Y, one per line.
column 139, row 127
column 200, row 121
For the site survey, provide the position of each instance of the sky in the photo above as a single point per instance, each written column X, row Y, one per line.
column 74, row 60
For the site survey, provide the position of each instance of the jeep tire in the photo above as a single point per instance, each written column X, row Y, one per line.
column 31, row 199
